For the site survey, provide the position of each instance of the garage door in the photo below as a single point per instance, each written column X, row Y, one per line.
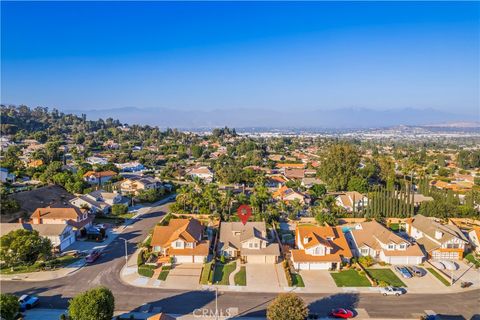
column 199, row 259
column 184, row 259
column 445, row 255
column 66, row 242
column 303, row 266
column 256, row 259
column 320, row 266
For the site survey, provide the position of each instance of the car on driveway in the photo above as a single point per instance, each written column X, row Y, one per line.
column 92, row 256
column 392, row 291
column 27, row 302
column 416, row 271
column 341, row 313
column 403, row 272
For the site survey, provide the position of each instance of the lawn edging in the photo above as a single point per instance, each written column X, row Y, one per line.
column 439, row 276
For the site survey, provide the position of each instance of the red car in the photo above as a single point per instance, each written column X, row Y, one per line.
column 94, row 255
column 341, row 313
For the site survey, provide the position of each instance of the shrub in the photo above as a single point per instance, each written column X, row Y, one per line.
column 140, row 258
column 383, row 283
column 118, row 209
column 222, row 259
column 97, row 303
column 366, row 261
column 287, row 306
column 9, row 306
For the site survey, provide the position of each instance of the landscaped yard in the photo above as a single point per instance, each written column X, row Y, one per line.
column 205, row 272
column 241, row 277
column 439, row 276
column 472, row 259
column 39, row 266
column 297, row 280
column 387, row 276
column 222, row 272
column 350, row 278
column 164, row 273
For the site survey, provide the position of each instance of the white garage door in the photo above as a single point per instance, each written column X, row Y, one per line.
column 199, row 259
column 320, row 266
column 66, row 242
column 184, row 259
column 445, row 255
column 303, row 266
column 256, row 259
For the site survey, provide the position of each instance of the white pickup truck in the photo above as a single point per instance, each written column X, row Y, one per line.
column 392, row 291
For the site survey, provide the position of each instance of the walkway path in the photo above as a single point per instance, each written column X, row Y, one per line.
column 231, row 278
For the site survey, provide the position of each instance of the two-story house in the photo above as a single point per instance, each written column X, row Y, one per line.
column 373, row 239
column 319, row 248
column 135, row 185
column 439, row 241
column 351, row 200
column 203, row 173
column 98, row 178
column 98, row 201
column 182, row 240
column 249, row 242
column 61, row 235
column 74, row 217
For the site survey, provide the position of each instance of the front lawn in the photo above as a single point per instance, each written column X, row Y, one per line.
column 439, row 276
column 207, row 267
column 59, row 262
column 164, row 273
column 222, row 272
column 386, row 275
column 472, row 259
column 297, row 280
column 241, row 277
column 350, row 278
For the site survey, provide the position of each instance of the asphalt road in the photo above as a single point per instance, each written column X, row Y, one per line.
column 106, row 270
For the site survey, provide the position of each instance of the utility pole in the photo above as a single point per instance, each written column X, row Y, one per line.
column 126, row 252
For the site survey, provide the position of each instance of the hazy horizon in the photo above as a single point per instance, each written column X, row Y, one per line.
column 209, row 63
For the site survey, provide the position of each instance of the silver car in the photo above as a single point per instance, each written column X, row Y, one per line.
column 391, row 291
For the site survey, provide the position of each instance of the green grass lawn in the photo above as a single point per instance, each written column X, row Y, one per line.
column 205, row 272
column 386, row 275
column 297, row 280
column 241, row 277
column 439, row 276
column 350, row 278
column 164, row 273
column 394, row 226
column 471, row 258
column 222, row 272
column 59, row 262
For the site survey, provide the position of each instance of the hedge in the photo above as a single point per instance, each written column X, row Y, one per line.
column 146, row 271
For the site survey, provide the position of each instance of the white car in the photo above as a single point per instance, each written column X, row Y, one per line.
column 391, row 291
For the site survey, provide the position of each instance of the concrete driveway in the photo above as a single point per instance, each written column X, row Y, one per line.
column 184, row 276
column 426, row 284
column 263, row 277
column 316, row 279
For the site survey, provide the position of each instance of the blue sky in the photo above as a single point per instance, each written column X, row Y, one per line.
column 207, row 56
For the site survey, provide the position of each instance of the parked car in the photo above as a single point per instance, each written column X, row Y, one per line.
column 416, row 271
column 27, row 302
column 392, row 291
column 341, row 313
column 466, row 284
column 94, row 255
column 403, row 272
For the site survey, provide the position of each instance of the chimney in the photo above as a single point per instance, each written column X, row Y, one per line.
column 20, row 220
column 306, row 240
column 438, row 234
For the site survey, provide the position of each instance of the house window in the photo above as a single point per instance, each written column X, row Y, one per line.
column 178, row 244
column 402, row 246
column 391, row 247
column 453, row 246
column 250, row 245
column 317, row 250
column 256, row 245
column 364, row 251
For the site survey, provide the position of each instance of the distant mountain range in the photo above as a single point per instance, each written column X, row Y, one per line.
column 241, row 118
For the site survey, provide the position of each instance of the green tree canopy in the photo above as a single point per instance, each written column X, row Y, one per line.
column 9, row 306
column 94, row 304
column 24, row 247
column 287, row 306
column 339, row 165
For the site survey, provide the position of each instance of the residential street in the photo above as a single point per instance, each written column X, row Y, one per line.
column 55, row 293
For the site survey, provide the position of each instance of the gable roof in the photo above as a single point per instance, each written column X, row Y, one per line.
column 429, row 226
column 44, row 230
column 232, row 234
column 100, row 174
column 58, row 213
column 189, row 230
